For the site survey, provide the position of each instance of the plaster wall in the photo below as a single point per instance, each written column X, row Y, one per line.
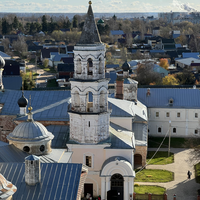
column 123, row 122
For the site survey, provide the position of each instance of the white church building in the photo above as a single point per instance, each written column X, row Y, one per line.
column 106, row 145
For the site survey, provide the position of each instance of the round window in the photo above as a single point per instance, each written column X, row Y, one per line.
column 42, row 148
column 26, row 149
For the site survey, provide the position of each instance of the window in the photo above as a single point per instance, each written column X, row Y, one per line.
column 159, row 130
column 42, row 148
column 88, row 161
column 174, row 130
column 178, row 114
column 171, row 101
column 26, row 149
column 196, row 115
column 167, row 114
column 196, row 131
column 157, row 114
column 89, row 123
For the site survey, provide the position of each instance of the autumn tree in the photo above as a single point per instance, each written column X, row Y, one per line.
column 186, row 77
column 164, row 63
column 146, row 75
column 170, row 80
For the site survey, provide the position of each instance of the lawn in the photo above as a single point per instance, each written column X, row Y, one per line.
column 154, row 175
column 154, row 142
column 161, row 158
column 52, row 83
column 153, row 189
column 47, row 69
column 197, row 172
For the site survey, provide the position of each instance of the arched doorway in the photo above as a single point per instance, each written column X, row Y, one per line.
column 117, row 187
column 137, row 161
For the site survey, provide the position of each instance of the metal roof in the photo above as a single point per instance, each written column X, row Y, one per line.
column 58, row 181
column 12, row 82
column 159, row 97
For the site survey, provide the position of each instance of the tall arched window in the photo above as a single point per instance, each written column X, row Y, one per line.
column 89, row 102
column 90, row 66
column 102, row 101
column 78, row 66
column 101, row 68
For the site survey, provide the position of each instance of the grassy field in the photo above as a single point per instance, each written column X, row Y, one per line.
column 47, row 69
column 161, row 158
column 153, row 189
column 154, row 142
column 154, row 175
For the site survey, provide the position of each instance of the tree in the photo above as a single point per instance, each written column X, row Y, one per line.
column 146, row 75
column 5, row 27
column 75, row 22
column 186, row 77
column 170, row 80
column 46, row 62
column 20, row 45
column 15, row 23
column 44, row 23
column 164, row 63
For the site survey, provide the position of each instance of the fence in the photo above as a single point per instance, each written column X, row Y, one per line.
column 149, row 197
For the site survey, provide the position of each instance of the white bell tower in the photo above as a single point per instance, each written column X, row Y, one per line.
column 89, row 115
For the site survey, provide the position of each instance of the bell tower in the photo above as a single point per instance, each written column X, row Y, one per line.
column 89, row 115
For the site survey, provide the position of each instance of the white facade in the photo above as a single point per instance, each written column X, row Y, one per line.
column 184, row 122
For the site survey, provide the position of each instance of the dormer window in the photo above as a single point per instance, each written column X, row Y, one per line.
column 171, row 101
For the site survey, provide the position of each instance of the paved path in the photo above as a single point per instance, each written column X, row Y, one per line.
column 42, row 77
column 183, row 188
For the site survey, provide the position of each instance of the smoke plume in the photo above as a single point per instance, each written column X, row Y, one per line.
column 183, row 6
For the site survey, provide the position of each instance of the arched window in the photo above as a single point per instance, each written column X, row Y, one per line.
column 102, row 101
column 159, row 130
column 174, row 130
column 101, row 67
column 90, row 66
column 78, row 66
column 89, row 102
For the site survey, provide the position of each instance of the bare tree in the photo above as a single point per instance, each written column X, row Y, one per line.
column 20, row 45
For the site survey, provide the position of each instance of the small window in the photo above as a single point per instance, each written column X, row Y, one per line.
column 178, row 114
column 31, row 162
column 196, row 131
column 157, row 114
column 167, row 114
column 171, row 101
column 89, row 123
column 159, row 130
column 196, row 115
column 174, row 130
column 26, row 149
column 42, row 148
column 88, row 161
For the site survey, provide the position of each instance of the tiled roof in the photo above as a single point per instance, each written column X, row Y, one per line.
column 58, row 181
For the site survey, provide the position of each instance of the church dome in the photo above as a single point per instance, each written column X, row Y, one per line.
column 2, row 62
column 7, row 188
column 22, row 102
column 30, row 130
column 126, row 66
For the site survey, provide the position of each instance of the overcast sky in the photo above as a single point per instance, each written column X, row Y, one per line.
column 99, row 6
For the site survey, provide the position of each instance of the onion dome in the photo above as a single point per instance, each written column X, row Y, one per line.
column 2, row 62
column 126, row 66
column 30, row 130
column 101, row 21
column 7, row 188
column 22, row 102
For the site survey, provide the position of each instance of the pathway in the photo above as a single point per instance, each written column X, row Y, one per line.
column 183, row 188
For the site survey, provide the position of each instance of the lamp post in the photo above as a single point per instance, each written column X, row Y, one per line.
column 169, row 138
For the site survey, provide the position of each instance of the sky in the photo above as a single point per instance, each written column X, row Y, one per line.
column 99, row 6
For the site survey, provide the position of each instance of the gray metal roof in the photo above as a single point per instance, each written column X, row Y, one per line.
column 159, row 97
column 10, row 154
column 58, row 181
column 47, row 105
column 12, row 82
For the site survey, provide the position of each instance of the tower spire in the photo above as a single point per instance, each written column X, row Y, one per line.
column 90, row 33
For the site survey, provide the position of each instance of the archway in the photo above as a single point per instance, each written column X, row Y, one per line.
column 137, row 161
column 117, row 187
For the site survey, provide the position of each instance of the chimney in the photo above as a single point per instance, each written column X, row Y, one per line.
column 32, row 170
column 119, row 88
column 148, row 92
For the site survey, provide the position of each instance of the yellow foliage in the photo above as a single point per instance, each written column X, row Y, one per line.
column 164, row 63
column 170, row 80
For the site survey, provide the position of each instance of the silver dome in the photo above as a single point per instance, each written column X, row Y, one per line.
column 30, row 130
column 2, row 62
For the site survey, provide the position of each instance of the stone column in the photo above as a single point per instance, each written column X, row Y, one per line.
column 107, row 184
column 126, row 189
column 103, row 188
column 1, row 81
column 131, row 185
column 95, row 103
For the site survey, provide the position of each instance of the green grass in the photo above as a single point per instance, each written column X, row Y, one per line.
column 154, row 142
column 161, row 158
column 153, row 189
column 197, row 172
column 52, row 83
column 154, row 175
column 47, row 69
